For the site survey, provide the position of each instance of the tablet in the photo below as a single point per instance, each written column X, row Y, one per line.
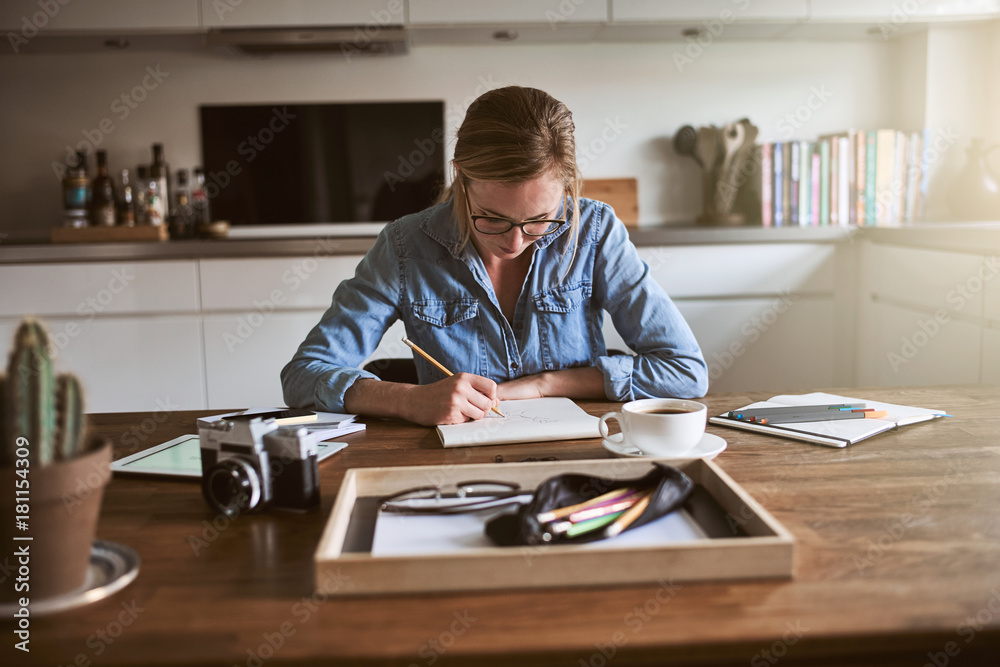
column 181, row 457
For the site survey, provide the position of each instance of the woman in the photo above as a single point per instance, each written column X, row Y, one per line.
column 506, row 279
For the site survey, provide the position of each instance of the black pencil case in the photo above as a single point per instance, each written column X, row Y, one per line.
column 671, row 488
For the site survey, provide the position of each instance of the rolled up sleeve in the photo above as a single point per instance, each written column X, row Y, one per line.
column 668, row 360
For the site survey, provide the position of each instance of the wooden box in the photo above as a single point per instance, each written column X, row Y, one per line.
column 138, row 233
column 741, row 540
column 622, row 194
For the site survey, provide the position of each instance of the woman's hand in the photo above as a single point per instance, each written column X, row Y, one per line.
column 527, row 386
column 454, row 400
column 459, row 398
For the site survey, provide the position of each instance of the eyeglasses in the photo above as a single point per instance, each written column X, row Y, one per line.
column 491, row 224
column 470, row 496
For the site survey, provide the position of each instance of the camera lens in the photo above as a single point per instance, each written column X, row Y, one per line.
column 231, row 486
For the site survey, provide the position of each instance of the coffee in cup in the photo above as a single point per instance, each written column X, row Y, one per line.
column 658, row 426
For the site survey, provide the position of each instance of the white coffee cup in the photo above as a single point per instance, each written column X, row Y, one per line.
column 658, row 426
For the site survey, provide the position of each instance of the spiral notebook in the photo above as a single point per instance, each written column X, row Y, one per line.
column 835, row 433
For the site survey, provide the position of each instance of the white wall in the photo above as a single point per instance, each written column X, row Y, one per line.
column 50, row 100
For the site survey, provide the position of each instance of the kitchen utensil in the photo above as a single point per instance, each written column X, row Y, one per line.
column 735, row 176
column 707, row 150
column 685, row 141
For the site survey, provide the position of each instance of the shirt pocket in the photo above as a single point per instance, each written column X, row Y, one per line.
column 564, row 325
column 450, row 331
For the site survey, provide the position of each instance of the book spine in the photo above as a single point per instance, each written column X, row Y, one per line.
column 925, row 173
column 914, row 147
column 859, row 178
column 786, row 184
column 805, row 176
column 885, row 156
column 779, row 177
column 834, row 181
column 846, row 169
column 870, row 150
column 814, row 186
column 824, row 182
column 793, row 195
column 766, row 184
column 899, row 179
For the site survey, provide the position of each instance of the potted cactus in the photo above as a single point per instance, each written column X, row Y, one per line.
column 52, row 476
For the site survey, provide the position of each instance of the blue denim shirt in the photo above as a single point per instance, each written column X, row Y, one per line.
column 416, row 272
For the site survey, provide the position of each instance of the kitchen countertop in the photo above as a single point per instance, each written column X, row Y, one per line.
column 976, row 238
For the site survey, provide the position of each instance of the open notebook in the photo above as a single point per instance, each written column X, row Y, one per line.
column 528, row 420
column 839, row 433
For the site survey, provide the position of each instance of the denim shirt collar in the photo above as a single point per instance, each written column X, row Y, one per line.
column 440, row 224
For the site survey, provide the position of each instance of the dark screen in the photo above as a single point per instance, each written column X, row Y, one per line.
column 294, row 163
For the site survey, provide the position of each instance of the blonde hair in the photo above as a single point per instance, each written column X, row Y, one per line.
column 513, row 135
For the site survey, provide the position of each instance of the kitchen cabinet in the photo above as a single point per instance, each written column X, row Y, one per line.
column 895, row 10
column 128, row 364
column 300, row 13
column 23, row 17
column 696, row 10
column 765, row 315
column 89, row 290
column 444, row 12
column 921, row 316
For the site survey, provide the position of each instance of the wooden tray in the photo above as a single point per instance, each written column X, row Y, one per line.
column 109, row 234
column 744, row 540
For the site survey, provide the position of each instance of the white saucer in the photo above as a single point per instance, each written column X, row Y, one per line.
column 709, row 447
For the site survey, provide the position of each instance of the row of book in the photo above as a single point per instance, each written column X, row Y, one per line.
column 858, row 177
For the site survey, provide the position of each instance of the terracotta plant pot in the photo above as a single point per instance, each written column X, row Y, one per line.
column 64, row 502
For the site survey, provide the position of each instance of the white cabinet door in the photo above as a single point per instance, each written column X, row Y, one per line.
column 244, row 354
column 778, row 344
column 290, row 13
column 751, row 269
column 897, row 10
column 781, row 343
column 727, row 10
column 128, row 364
column 282, row 283
column 88, row 290
column 911, row 347
column 443, row 12
column 24, row 16
column 927, row 279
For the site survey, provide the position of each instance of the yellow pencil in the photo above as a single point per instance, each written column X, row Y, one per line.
column 416, row 348
column 626, row 519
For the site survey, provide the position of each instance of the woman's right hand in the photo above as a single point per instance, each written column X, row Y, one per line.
column 456, row 399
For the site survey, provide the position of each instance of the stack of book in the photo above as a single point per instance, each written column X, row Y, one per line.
column 857, row 177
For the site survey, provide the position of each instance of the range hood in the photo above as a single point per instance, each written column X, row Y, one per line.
column 344, row 40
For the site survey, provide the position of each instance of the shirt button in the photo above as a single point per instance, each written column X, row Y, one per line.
column 513, row 366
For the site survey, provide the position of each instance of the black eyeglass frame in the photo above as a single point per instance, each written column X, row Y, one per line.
column 485, row 500
column 510, row 223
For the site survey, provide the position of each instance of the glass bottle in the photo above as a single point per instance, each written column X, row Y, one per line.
column 181, row 220
column 76, row 187
column 199, row 199
column 160, row 172
column 126, row 201
column 102, row 203
column 141, row 195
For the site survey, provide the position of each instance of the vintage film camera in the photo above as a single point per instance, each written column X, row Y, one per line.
column 250, row 464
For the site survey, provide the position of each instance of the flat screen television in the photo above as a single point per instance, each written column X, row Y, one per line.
column 283, row 164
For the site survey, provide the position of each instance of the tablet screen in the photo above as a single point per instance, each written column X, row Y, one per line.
column 181, row 457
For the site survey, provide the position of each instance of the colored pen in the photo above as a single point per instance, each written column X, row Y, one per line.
column 754, row 412
column 818, row 417
column 591, row 524
column 416, row 348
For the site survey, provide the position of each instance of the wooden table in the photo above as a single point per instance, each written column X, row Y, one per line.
column 897, row 563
